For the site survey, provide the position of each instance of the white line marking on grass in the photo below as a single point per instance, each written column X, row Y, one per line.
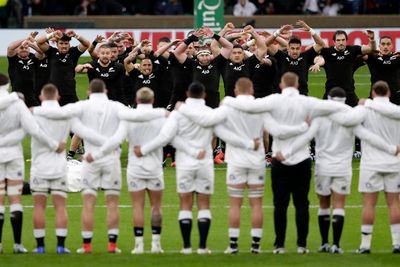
column 217, row 207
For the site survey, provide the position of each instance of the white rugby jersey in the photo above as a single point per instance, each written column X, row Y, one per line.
column 383, row 119
column 192, row 134
column 46, row 163
column 288, row 108
column 14, row 115
column 334, row 146
column 138, row 133
column 98, row 113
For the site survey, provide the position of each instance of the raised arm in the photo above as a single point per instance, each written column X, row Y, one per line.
column 130, row 60
column 92, row 47
column 161, row 51
column 83, row 42
column 12, row 48
column 319, row 43
column 371, row 47
column 226, row 45
column 83, row 68
column 180, row 51
column 260, row 42
column 12, row 138
column 51, row 35
column 270, row 39
column 215, row 44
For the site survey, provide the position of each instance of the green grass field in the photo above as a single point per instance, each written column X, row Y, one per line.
column 218, row 239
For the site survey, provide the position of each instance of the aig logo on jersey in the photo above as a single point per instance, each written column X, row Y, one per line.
column 26, row 66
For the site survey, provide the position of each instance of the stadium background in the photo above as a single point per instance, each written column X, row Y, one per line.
column 218, row 240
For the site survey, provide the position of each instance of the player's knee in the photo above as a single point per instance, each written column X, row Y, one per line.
column 39, row 193
column 235, row 192
column 257, row 192
column 338, row 212
column 16, row 207
column 60, row 193
column 185, row 215
column 2, row 188
column 14, row 190
column 204, row 214
column 89, row 191
column 111, row 192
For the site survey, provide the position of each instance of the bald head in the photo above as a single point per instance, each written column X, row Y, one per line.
column 244, row 86
column 289, row 79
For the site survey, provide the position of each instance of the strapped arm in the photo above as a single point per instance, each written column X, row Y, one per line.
column 210, row 119
column 12, row 138
column 167, row 133
column 232, row 138
column 134, row 115
column 374, row 140
column 65, row 112
column 7, row 100
column 318, row 107
column 349, row 118
column 283, row 131
column 302, row 140
column 385, row 109
column 86, row 133
column 113, row 142
column 258, row 105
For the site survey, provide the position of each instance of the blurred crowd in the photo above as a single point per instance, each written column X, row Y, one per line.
column 17, row 9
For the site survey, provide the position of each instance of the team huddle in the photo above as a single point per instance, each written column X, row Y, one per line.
column 265, row 81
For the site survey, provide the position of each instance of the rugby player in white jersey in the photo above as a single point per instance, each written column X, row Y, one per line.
column 292, row 176
column 380, row 171
column 333, row 166
column 48, row 170
column 144, row 174
column 195, row 174
column 14, row 116
column 101, row 115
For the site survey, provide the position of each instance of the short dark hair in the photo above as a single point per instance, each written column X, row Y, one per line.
column 387, row 37
column 65, row 37
column 97, row 86
column 112, row 45
column 164, row 39
column 380, row 88
column 337, row 92
column 237, row 46
column 340, row 32
column 49, row 91
column 294, row 40
column 196, row 90
column 3, row 79
column 107, row 46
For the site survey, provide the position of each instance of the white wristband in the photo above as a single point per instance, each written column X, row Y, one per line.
column 49, row 36
column 312, row 31
column 276, row 33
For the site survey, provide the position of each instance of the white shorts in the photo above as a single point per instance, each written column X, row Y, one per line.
column 199, row 180
column 12, row 170
column 237, row 175
column 138, row 184
column 373, row 181
column 40, row 185
column 324, row 185
column 102, row 176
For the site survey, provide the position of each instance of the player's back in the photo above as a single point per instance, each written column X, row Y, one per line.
column 334, row 148
column 246, row 126
column 389, row 130
column 47, row 163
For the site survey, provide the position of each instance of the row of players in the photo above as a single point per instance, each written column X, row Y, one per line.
column 233, row 53
column 242, row 122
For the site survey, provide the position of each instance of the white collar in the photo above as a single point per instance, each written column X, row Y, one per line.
column 50, row 103
column 98, row 96
column 144, row 106
column 195, row 101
